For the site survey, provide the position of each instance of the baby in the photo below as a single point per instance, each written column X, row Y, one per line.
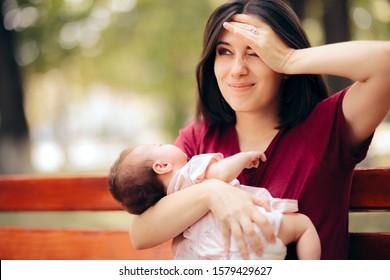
column 142, row 176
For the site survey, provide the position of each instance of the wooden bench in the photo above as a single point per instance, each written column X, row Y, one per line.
column 370, row 193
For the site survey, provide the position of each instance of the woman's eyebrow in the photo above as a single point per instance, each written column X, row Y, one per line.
column 229, row 45
column 223, row 43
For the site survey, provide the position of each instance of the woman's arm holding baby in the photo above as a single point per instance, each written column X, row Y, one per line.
column 233, row 208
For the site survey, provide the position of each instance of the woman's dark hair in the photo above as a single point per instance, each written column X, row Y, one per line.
column 134, row 185
column 299, row 94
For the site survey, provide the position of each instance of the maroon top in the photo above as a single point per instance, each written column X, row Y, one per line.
column 310, row 163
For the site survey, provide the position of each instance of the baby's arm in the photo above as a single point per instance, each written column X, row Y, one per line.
column 229, row 168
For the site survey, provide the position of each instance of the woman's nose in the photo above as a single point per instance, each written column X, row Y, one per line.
column 239, row 67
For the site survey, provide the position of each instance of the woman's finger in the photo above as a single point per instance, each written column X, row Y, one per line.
column 243, row 30
column 248, row 20
column 240, row 241
column 262, row 201
column 226, row 235
column 243, row 26
column 265, row 227
column 252, row 237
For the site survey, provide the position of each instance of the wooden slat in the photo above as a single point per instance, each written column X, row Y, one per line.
column 37, row 193
column 61, row 244
column 370, row 189
column 369, row 246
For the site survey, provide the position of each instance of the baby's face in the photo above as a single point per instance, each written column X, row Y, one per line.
column 167, row 153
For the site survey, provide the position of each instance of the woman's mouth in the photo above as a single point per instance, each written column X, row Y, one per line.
column 241, row 86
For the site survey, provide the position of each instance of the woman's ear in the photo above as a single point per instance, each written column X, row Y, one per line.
column 161, row 167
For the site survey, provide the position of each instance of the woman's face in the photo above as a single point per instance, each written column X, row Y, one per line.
column 245, row 81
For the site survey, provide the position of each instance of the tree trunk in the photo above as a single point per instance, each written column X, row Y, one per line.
column 336, row 25
column 14, row 137
column 299, row 8
column 337, row 29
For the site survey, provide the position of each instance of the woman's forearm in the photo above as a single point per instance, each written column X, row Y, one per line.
column 169, row 217
column 356, row 60
column 365, row 62
column 232, row 208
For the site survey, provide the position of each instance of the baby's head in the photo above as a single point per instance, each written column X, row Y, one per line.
column 136, row 177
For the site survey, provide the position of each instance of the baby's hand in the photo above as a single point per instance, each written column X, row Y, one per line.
column 254, row 159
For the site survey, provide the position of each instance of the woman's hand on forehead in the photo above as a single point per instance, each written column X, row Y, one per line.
column 261, row 38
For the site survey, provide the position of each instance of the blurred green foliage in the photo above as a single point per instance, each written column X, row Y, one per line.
column 147, row 46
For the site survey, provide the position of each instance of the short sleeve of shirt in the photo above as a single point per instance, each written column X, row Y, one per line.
column 197, row 166
column 193, row 172
column 328, row 140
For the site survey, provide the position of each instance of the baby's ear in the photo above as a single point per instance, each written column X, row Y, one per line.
column 161, row 167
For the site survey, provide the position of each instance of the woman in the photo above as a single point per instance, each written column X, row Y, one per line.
column 259, row 89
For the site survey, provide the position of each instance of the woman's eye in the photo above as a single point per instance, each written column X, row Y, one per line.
column 253, row 54
column 223, row 51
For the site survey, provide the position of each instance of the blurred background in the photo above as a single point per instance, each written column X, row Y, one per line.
column 81, row 79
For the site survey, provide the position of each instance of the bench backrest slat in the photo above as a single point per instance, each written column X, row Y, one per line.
column 34, row 193
column 68, row 244
column 369, row 246
column 370, row 192
column 370, row 189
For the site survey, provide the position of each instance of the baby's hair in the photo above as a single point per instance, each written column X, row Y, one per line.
column 134, row 185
